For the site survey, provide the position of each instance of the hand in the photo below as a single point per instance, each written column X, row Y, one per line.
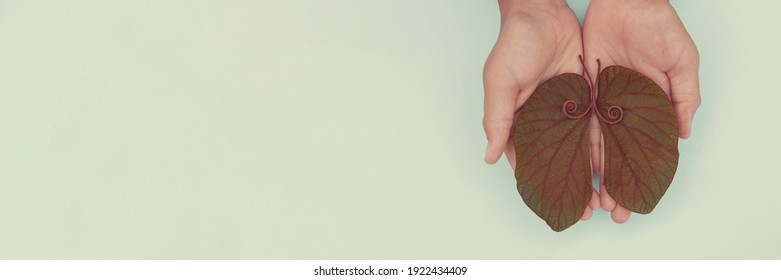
column 647, row 36
column 538, row 40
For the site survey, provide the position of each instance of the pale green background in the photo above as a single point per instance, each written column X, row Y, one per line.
column 337, row 129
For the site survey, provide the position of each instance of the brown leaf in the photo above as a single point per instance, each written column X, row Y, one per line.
column 641, row 138
column 551, row 144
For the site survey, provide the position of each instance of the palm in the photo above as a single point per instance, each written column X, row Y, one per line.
column 523, row 56
column 649, row 38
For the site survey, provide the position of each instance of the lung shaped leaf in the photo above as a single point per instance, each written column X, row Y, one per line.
column 551, row 144
column 640, row 135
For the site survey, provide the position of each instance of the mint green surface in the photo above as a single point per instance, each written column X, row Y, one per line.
column 337, row 129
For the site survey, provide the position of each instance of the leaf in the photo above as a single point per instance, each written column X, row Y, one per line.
column 551, row 144
column 641, row 150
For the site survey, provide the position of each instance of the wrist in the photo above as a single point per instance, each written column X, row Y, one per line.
column 508, row 8
column 623, row 3
column 619, row 2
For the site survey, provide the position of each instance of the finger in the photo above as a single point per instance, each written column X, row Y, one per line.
column 607, row 202
column 499, row 106
column 587, row 214
column 509, row 152
column 594, row 136
column 620, row 214
column 685, row 90
column 594, row 203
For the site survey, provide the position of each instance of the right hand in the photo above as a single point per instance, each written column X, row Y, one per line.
column 646, row 36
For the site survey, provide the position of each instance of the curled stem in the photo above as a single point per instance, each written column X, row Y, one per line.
column 570, row 107
column 614, row 114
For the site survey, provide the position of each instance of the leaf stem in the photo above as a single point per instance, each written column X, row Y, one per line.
column 614, row 114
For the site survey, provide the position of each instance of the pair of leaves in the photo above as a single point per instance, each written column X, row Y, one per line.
column 639, row 132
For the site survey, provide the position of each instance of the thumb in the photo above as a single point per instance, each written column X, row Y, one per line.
column 685, row 90
column 499, row 108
